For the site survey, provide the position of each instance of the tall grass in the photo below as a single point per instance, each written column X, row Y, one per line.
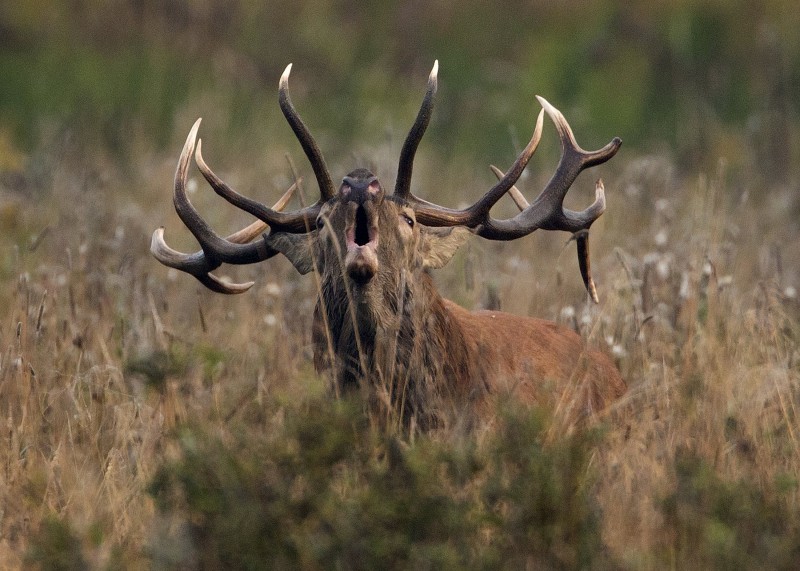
column 150, row 423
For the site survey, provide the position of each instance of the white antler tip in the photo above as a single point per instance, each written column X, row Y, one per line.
column 227, row 286
column 194, row 129
column 546, row 105
column 433, row 80
column 540, row 122
column 599, row 189
column 285, row 76
column 198, row 154
column 593, row 291
column 564, row 130
column 158, row 236
column 159, row 247
column 188, row 149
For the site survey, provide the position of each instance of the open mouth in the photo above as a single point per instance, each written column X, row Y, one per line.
column 362, row 234
column 361, row 261
column 361, row 230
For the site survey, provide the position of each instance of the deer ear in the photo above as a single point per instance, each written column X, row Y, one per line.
column 298, row 248
column 440, row 244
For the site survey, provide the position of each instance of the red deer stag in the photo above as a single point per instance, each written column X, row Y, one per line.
column 379, row 323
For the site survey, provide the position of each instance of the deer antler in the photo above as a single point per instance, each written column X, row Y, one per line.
column 236, row 248
column 402, row 187
column 432, row 214
column 239, row 248
column 310, row 147
column 547, row 211
column 581, row 237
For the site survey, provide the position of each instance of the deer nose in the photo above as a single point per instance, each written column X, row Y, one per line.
column 361, row 189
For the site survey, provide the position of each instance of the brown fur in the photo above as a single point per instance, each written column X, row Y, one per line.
column 380, row 325
column 538, row 361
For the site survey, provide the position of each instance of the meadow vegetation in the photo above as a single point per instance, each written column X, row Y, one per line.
column 148, row 423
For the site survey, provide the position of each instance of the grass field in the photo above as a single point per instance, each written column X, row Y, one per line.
column 150, row 423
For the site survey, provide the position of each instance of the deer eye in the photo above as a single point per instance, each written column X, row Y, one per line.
column 409, row 220
column 320, row 223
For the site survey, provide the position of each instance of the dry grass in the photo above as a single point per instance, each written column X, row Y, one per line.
column 709, row 322
column 105, row 354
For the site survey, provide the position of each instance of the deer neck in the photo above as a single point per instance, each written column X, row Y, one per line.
column 403, row 339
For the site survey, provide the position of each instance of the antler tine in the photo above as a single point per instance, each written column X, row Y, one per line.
column 547, row 211
column 581, row 237
column 573, row 161
column 215, row 249
column 568, row 142
column 402, row 187
column 198, row 265
column 478, row 214
column 312, row 151
column 195, row 264
column 295, row 222
column 214, row 246
column 515, row 194
column 582, row 241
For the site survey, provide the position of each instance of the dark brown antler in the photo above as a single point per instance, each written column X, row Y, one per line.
column 402, row 187
column 434, row 215
column 312, row 151
column 241, row 247
column 297, row 222
column 581, row 237
column 547, row 211
column 238, row 248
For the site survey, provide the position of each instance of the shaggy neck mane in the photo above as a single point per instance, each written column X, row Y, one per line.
column 411, row 357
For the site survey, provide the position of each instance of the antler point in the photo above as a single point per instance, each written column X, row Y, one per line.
column 539, row 124
column 599, row 189
column 285, row 75
column 433, row 78
column 195, row 128
column 547, row 106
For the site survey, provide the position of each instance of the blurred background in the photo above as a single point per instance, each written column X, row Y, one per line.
column 702, row 80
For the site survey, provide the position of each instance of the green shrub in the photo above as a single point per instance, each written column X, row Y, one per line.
column 329, row 490
column 717, row 524
column 55, row 547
